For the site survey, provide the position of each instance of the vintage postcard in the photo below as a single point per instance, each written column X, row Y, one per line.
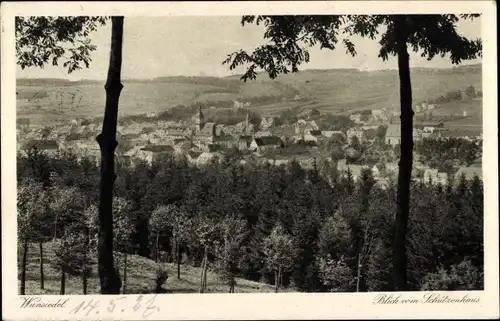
column 249, row 160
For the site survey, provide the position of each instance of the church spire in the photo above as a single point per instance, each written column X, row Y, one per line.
column 201, row 119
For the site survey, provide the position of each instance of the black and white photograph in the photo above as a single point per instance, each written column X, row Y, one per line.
column 252, row 154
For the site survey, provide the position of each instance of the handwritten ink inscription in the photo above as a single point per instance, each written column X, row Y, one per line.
column 93, row 307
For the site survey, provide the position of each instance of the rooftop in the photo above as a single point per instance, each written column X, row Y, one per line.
column 158, row 148
column 268, row 140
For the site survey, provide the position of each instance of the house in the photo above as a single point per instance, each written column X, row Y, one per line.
column 429, row 129
column 262, row 144
column 207, row 157
column 393, row 134
column 431, row 106
column 219, row 130
column 263, row 134
column 237, row 104
column 182, row 146
column 469, row 173
column 442, row 178
column 377, row 114
column 244, row 142
column 332, row 133
column 417, row 134
column 430, row 175
column 267, row 122
column 226, row 141
column 356, row 118
column 192, row 156
column 358, row 132
column 418, row 109
column 312, row 136
column 433, row 176
column 155, row 153
column 303, row 126
column 354, row 170
column 278, row 162
column 435, row 124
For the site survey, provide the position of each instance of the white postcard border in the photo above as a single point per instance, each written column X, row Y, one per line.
column 252, row 306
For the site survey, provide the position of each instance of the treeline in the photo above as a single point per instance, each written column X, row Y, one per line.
column 445, row 154
column 310, row 230
column 456, row 95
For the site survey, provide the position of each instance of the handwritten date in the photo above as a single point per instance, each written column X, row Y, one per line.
column 94, row 307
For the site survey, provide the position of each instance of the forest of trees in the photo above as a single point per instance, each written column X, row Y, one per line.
column 284, row 225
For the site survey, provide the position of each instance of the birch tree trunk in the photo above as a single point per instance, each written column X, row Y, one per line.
column 109, row 279
column 157, row 247
column 358, row 278
column 405, row 163
column 179, row 257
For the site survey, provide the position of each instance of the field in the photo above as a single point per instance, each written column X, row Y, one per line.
column 140, row 277
column 473, row 108
column 46, row 101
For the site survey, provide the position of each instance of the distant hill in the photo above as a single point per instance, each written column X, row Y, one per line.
column 337, row 91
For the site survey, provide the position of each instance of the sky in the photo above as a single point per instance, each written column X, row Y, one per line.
column 196, row 46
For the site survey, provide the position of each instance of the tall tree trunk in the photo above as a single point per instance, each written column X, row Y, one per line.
column 406, row 158
column 85, row 259
column 204, row 271
column 63, row 283
column 42, row 277
column 178, row 260
column 157, row 247
column 109, row 279
column 275, row 281
column 358, row 278
column 124, row 289
column 55, row 228
column 23, row 267
column 279, row 278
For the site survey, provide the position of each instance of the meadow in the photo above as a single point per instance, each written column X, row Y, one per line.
column 140, row 276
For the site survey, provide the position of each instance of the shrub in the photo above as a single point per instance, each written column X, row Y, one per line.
column 463, row 276
column 160, row 278
column 336, row 275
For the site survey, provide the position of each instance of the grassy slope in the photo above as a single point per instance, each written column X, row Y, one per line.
column 338, row 91
column 140, row 277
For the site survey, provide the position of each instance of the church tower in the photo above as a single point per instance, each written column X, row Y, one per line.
column 199, row 120
column 246, row 119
